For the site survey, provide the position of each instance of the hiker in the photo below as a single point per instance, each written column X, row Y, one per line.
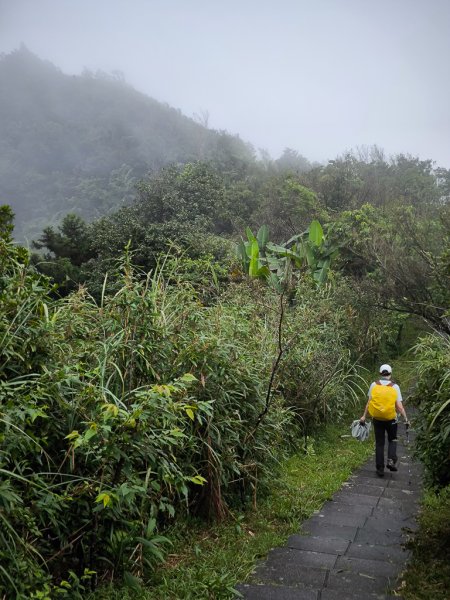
column 385, row 399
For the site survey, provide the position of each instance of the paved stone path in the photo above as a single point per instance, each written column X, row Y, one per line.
column 352, row 549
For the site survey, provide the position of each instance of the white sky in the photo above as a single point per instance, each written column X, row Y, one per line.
column 319, row 76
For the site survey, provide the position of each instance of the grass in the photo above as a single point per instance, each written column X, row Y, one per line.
column 428, row 573
column 207, row 562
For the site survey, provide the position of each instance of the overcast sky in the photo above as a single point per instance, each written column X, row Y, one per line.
column 319, row 76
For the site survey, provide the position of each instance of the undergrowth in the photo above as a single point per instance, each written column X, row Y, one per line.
column 207, row 562
column 428, row 573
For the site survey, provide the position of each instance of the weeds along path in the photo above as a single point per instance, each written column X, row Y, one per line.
column 352, row 548
column 207, row 562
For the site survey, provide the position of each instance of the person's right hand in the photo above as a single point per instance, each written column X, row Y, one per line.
column 362, row 419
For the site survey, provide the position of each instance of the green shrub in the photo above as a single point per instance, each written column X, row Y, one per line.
column 432, row 396
column 318, row 376
column 428, row 573
column 138, row 408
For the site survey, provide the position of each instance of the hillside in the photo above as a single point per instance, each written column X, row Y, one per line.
column 79, row 143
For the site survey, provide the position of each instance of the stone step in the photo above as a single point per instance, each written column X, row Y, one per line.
column 290, row 573
column 402, row 493
column 383, row 523
column 366, row 490
column 364, row 480
column 408, row 504
column 355, row 499
column 333, row 507
column 366, row 566
column 354, row 547
column 347, row 582
column 384, row 538
column 268, row 592
column 407, row 484
column 330, row 594
column 383, row 511
column 377, row 552
column 340, row 518
column 402, row 473
column 318, row 544
column 322, row 529
column 304, row 558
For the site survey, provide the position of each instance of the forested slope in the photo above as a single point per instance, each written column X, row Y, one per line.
column 78, row 143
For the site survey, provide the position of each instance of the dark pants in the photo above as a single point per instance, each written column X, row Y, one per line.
column 381, row 428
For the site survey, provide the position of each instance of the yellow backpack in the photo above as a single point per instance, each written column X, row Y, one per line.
column 382, row 401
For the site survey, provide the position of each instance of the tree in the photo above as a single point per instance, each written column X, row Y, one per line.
column 71, row 240
column 413, row 181
column 68, row 248
column 287, row 206
column 6, row 222
column 400, row 259
column 292, row 161
column 339, row 183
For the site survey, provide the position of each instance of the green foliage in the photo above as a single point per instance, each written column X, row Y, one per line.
column 208, row 562
column 6, row 222
column 398, row 259
column 432, row 396
column 179, row 208
column 287, row 206
column 117, row 416
column 172, row 388
column 428, row 572
column 309, row 251
column 366, row 176
column 318, row 376
column 292, row 162
column 252, row 253
column 24, row 297
column 71, row 241
column 67, row 249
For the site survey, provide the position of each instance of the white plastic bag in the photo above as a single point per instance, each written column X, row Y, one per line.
column 360, row 430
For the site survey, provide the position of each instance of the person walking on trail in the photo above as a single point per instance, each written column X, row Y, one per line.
column 385, row 400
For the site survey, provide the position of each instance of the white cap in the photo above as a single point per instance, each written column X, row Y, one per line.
column 386, row 368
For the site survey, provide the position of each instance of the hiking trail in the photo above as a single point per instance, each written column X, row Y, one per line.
column 352, row 549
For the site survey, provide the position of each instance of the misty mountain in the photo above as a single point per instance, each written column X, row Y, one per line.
column 80, row 143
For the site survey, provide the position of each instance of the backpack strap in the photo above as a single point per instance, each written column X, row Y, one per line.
column 390, row 384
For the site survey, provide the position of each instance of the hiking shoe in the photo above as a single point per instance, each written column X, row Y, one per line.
column 391, row 465
column 380, row 472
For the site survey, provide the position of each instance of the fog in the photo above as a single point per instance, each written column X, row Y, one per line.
column 321, row 77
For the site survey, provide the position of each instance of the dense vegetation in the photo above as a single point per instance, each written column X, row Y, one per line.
column 144, row 406
column 428, row 573
column 207, row 560
column 154, row 366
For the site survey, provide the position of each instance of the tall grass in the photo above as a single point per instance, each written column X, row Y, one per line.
column 432, row 395
column 118, row 416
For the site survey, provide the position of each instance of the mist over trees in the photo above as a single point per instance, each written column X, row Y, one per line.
column 79, row 143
